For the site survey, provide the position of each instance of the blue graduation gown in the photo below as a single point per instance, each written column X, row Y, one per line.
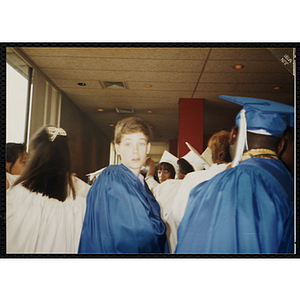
column 122, row 216
column 246, row 209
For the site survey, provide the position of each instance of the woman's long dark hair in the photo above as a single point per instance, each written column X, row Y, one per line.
column 49, row 170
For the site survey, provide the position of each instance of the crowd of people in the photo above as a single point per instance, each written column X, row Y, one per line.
column 236, row 197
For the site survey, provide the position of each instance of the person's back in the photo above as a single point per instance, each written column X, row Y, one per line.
column 220, row 150
column 165, row 193
column 242, row 210
column 39, row 224
column 45, row 208
column 121, row 216
column 249, row 207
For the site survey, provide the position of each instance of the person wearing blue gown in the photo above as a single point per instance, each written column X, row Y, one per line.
column 122, row 215
column 248, row 208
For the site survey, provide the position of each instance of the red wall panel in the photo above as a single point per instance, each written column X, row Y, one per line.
column 190, row 125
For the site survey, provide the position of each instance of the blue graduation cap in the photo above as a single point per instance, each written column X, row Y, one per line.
column 260, row 116
column 264, row 115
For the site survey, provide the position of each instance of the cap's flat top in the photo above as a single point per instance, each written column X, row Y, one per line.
column 262, row 105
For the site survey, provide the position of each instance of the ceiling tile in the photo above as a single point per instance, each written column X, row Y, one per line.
column 173, row 72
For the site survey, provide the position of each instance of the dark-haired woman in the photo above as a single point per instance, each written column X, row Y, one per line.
column 166, row 169
column 184, row 168
column 46, row 204
column 16, row 160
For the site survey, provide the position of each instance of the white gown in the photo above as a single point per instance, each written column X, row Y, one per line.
column 11, row 178
column 179, row 203
column 39, row 224
column 165, row 194
column 152, row 183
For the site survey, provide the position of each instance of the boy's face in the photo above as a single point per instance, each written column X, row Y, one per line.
column 133, row 150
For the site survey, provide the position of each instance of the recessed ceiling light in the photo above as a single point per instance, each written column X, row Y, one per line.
column 276, row 88
column 149, row 111
column 81, row 83
column 100, row 109
column 147, row 85
column 111, row 125
column 238, row 67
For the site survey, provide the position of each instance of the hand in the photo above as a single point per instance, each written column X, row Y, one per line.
column 149, row 162
column 151, row 165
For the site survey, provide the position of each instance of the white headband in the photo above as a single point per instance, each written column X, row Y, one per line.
column 54, row 132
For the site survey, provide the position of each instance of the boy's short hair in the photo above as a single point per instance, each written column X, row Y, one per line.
column 131, row 125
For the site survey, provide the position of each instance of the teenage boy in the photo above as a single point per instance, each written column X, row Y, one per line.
column 122, row 216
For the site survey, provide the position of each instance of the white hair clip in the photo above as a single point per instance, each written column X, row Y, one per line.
column 54, row 132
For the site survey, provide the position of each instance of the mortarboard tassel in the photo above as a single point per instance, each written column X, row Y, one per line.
column 242, row 139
